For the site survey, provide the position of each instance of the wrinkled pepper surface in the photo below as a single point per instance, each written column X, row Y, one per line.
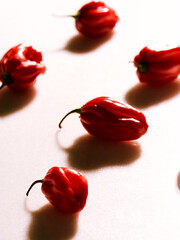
column 109, row 119
column 95, row 19
column 65, row 188
column 157, row 67
column 20, row 66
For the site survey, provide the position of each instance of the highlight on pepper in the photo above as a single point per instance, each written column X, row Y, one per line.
column 156, row 66
column 109, row 119
column 20, row 66
column 95, row 19
column 65, row 188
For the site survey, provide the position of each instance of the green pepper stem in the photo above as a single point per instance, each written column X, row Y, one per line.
column 142, row 66
column 61, row 16
column 2, row 85
column 77, row 110
column 6, row 79
column 75, row 16
column 37, row 181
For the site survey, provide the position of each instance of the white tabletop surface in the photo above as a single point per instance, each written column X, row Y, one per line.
column 134, row 188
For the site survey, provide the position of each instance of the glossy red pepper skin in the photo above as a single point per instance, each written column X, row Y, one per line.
column 20, row 66
column 95, row 19
column 109, row 119
column 65, row 188
column 158, row 67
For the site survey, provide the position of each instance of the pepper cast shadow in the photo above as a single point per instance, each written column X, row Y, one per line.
column 178, row 180
column 143, row 96
column 88, row 153
column 49, row 224
column 11, row 101
column 82, row 44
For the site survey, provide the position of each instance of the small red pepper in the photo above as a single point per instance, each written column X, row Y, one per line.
column 109, row 119
column 66, row 189
column 95, row 19
column 158, row 67
column 20, row 66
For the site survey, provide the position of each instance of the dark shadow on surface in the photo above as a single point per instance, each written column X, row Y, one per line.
column 88, row 153
column 49, row 224
column 178, row 180
column 143, row 96
column 81, row 44
column 11, row 101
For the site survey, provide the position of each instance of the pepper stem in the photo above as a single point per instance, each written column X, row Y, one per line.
column 77, row 110
column 37, row 181
column 61, row 16
column 142, row 66
column 75, row 16
column 2, row 85
column 6, row 79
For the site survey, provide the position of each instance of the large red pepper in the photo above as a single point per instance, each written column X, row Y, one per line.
column 66, row 189
column 20, row 66
column 109, row 119
column 95, row 19
column 158, row 67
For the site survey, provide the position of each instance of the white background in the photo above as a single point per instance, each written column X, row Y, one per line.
column 133, row 187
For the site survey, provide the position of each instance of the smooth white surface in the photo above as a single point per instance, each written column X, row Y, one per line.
column 133, row 187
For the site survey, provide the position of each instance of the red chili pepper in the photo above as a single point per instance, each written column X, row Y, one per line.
column 158, row 67
column 109, row 119
column 95, row 19
column 20, row 66
column 66, row 189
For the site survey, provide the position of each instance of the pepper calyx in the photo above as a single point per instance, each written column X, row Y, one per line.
column 76, row 16
column 6, row 79
column 141, row 66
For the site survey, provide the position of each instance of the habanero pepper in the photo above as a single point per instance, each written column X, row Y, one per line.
column 65, row 188
column 109, row 119
column 95, row 19
column 20, row 66
column 157, row 67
